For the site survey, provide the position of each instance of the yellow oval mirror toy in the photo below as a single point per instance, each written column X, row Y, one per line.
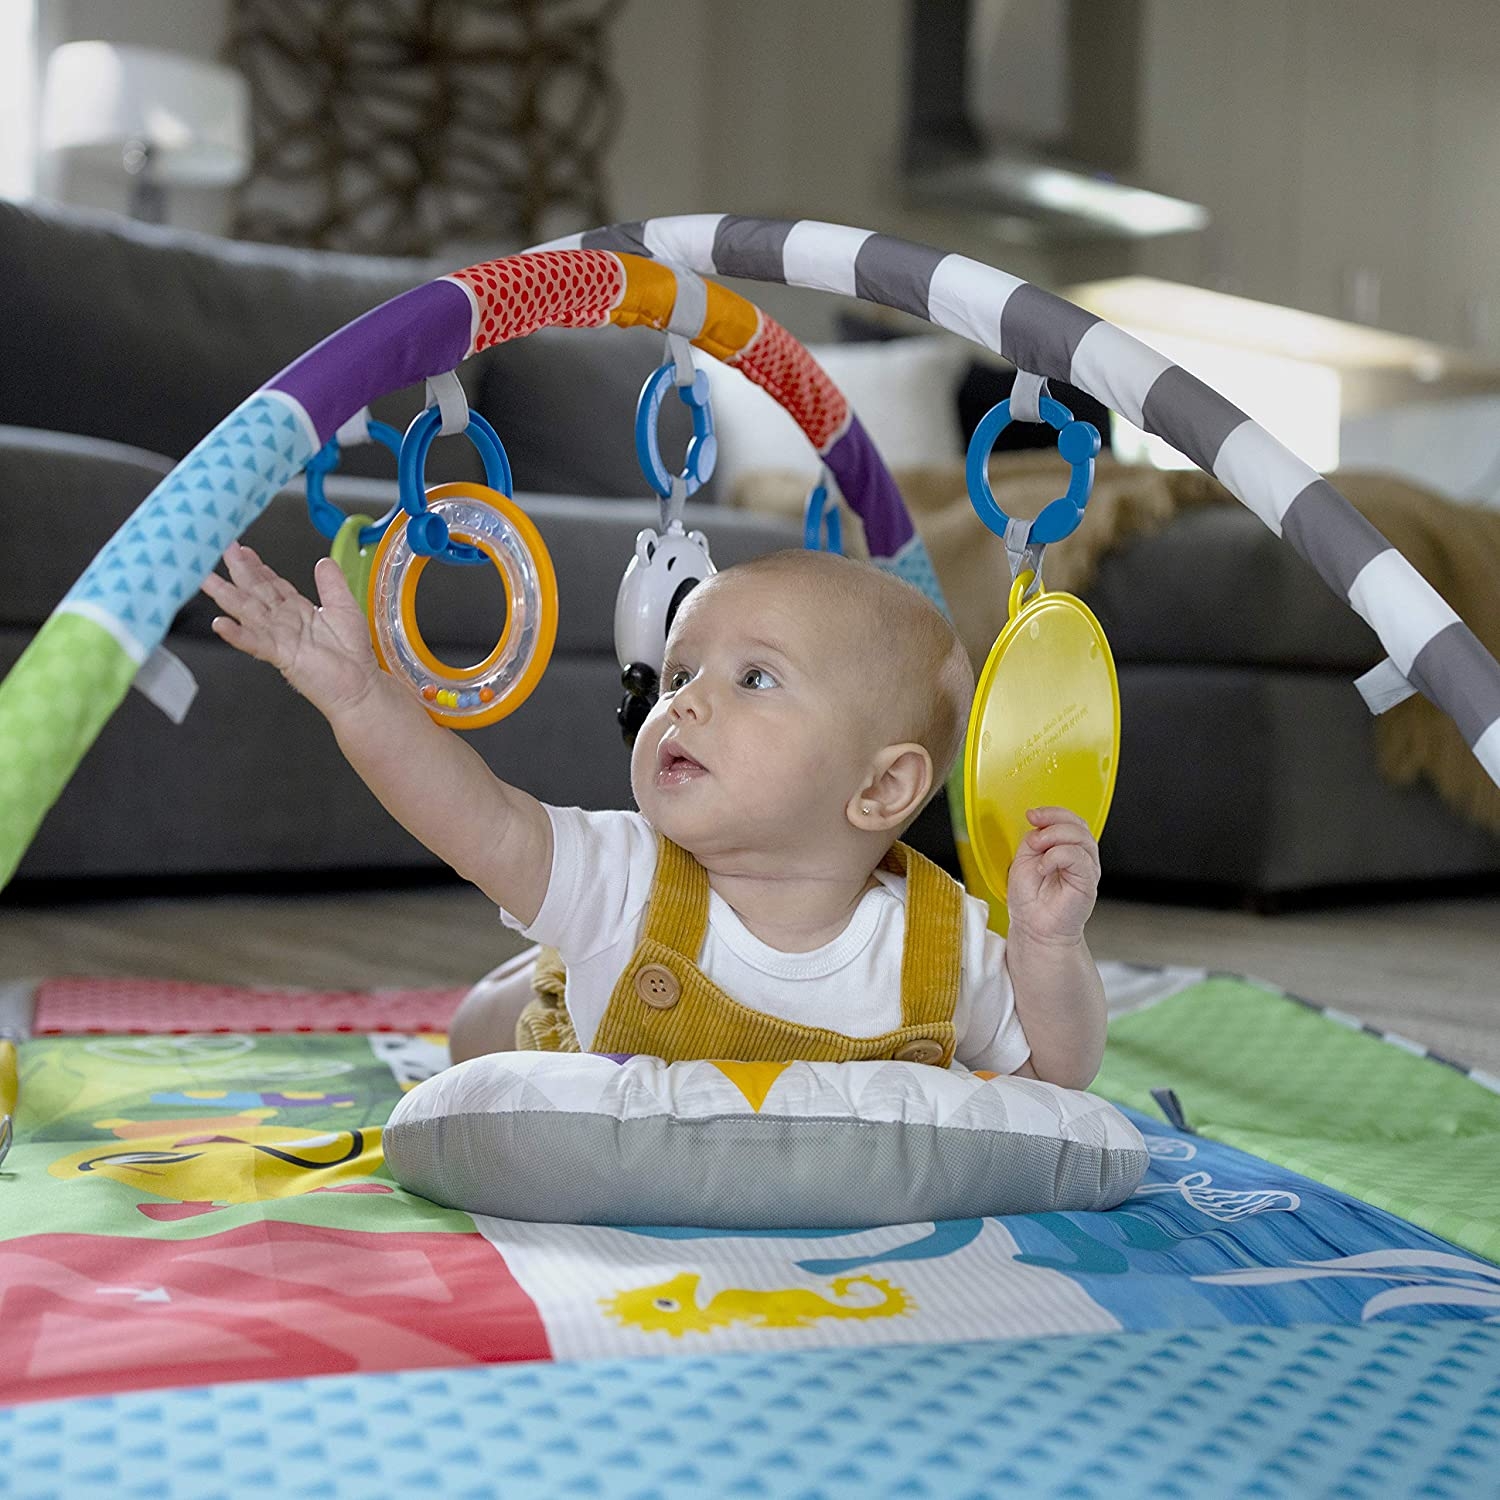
column 1045, row 726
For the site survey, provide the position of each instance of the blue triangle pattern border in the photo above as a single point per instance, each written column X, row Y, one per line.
column 158, row 559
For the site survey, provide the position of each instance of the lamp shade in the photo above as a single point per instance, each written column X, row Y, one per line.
column 193, row 115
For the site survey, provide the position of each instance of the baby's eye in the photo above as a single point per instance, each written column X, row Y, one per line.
column 757, row 677
column 674, row 678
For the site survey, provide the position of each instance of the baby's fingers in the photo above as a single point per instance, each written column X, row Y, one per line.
column 1069, row 860
column 250, row 637
column 251, row 642
column 1056, row 834
column 220, row 590
column 1051, row 817
column 342, row 612
column 334, row 593
column 255, row 578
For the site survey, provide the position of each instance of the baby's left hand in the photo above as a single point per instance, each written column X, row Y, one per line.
column 1053, row 878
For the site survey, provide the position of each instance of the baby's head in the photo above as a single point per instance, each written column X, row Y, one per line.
column 810, row 706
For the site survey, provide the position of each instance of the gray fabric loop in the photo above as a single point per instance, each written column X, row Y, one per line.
column 1026, row 397
column 1383, row 687
column 680, row 352
column 168, row 683
column 691, row 306
column 445, row 392
column 672, row 506
column 355, row 430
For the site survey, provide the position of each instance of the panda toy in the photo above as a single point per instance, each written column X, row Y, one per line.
column 666, row 568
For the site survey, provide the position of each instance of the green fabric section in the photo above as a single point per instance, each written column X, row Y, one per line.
column 53, row 704
column 177, row 1137
column 1274, row 1078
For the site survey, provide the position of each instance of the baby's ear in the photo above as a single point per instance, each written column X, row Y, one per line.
column 900, row 779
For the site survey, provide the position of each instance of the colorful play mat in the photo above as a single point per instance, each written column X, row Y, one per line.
column 211, row 1286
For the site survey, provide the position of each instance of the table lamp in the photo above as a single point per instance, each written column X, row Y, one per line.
column 166, row 119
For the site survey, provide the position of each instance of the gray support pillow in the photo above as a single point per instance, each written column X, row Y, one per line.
column 590, row 1138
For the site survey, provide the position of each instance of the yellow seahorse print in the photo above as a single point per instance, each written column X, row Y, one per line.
column 672, row 1306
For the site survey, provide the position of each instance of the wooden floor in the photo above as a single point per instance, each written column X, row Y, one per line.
column 1427, row 969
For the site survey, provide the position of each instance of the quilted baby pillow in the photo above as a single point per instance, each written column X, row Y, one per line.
column 596, row 1139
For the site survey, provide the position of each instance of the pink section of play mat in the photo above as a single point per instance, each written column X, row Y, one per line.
column 156, row 1007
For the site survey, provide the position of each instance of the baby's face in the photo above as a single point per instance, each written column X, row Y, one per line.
column 760, row 735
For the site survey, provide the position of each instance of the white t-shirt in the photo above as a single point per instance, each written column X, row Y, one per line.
column 594, row 913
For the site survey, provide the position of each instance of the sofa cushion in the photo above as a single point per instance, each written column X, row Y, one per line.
column 460, row 609
column 61, row 498
column 1216, row 586
column 151, row 336
column 1253, row 779
column 563, row 401
column 76, row 492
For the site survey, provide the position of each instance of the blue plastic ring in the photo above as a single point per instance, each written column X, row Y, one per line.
column 703, row 446
column 432, row 541
column 821, row 517
column 321, row 511
column 1078, row 442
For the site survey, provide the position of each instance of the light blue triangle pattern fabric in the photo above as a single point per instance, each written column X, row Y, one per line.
column 1347, row 1413
column 154, row 564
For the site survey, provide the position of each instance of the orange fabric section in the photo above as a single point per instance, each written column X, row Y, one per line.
column 729, row 324
column 650, row 292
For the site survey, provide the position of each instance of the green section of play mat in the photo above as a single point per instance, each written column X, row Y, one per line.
column 1262, row 1072
column 175, row 1137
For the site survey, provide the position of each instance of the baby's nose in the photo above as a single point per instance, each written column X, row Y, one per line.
column 690, row 702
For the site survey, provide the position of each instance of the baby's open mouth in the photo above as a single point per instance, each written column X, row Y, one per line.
column 674, row 766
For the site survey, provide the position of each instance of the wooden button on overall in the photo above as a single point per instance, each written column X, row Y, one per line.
column 657, row 985
column 922, row 1050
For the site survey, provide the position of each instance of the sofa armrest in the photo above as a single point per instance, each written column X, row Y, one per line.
column 61, row 498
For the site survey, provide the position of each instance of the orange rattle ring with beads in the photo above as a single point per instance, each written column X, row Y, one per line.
column 472, row 696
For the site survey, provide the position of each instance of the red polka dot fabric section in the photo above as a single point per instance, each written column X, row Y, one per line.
column 547, row 289
column 162, row 1007
column 777, row 363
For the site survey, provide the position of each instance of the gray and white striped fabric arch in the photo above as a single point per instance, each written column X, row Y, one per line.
column 1429, row 647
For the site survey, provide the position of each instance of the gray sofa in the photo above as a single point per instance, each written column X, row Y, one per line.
column 1247, row 764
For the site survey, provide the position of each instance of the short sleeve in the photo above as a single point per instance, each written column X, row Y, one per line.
column 603, row 864
column 992, row 1040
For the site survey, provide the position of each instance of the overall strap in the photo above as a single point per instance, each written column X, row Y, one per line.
column 677, row 912
column 931, row 959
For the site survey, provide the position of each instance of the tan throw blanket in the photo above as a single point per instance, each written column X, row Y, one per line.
column 1455, row 547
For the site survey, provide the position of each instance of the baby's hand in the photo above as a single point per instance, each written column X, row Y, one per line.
column 1053, row 878
column 324, row 653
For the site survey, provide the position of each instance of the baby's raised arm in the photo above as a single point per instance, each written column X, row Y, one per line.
column 493, row 834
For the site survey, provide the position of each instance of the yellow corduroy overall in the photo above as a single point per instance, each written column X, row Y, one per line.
column 665, row 1006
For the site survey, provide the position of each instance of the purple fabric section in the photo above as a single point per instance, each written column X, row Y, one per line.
column 422, row 332
column 871, row 492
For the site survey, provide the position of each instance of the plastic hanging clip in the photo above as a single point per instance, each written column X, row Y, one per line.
column 821, row 516
column 691, row 384
column 1077, row 442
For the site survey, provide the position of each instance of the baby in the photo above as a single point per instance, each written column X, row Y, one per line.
column 758, row 906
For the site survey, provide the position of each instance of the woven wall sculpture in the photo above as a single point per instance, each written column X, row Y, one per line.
column 402, row 127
